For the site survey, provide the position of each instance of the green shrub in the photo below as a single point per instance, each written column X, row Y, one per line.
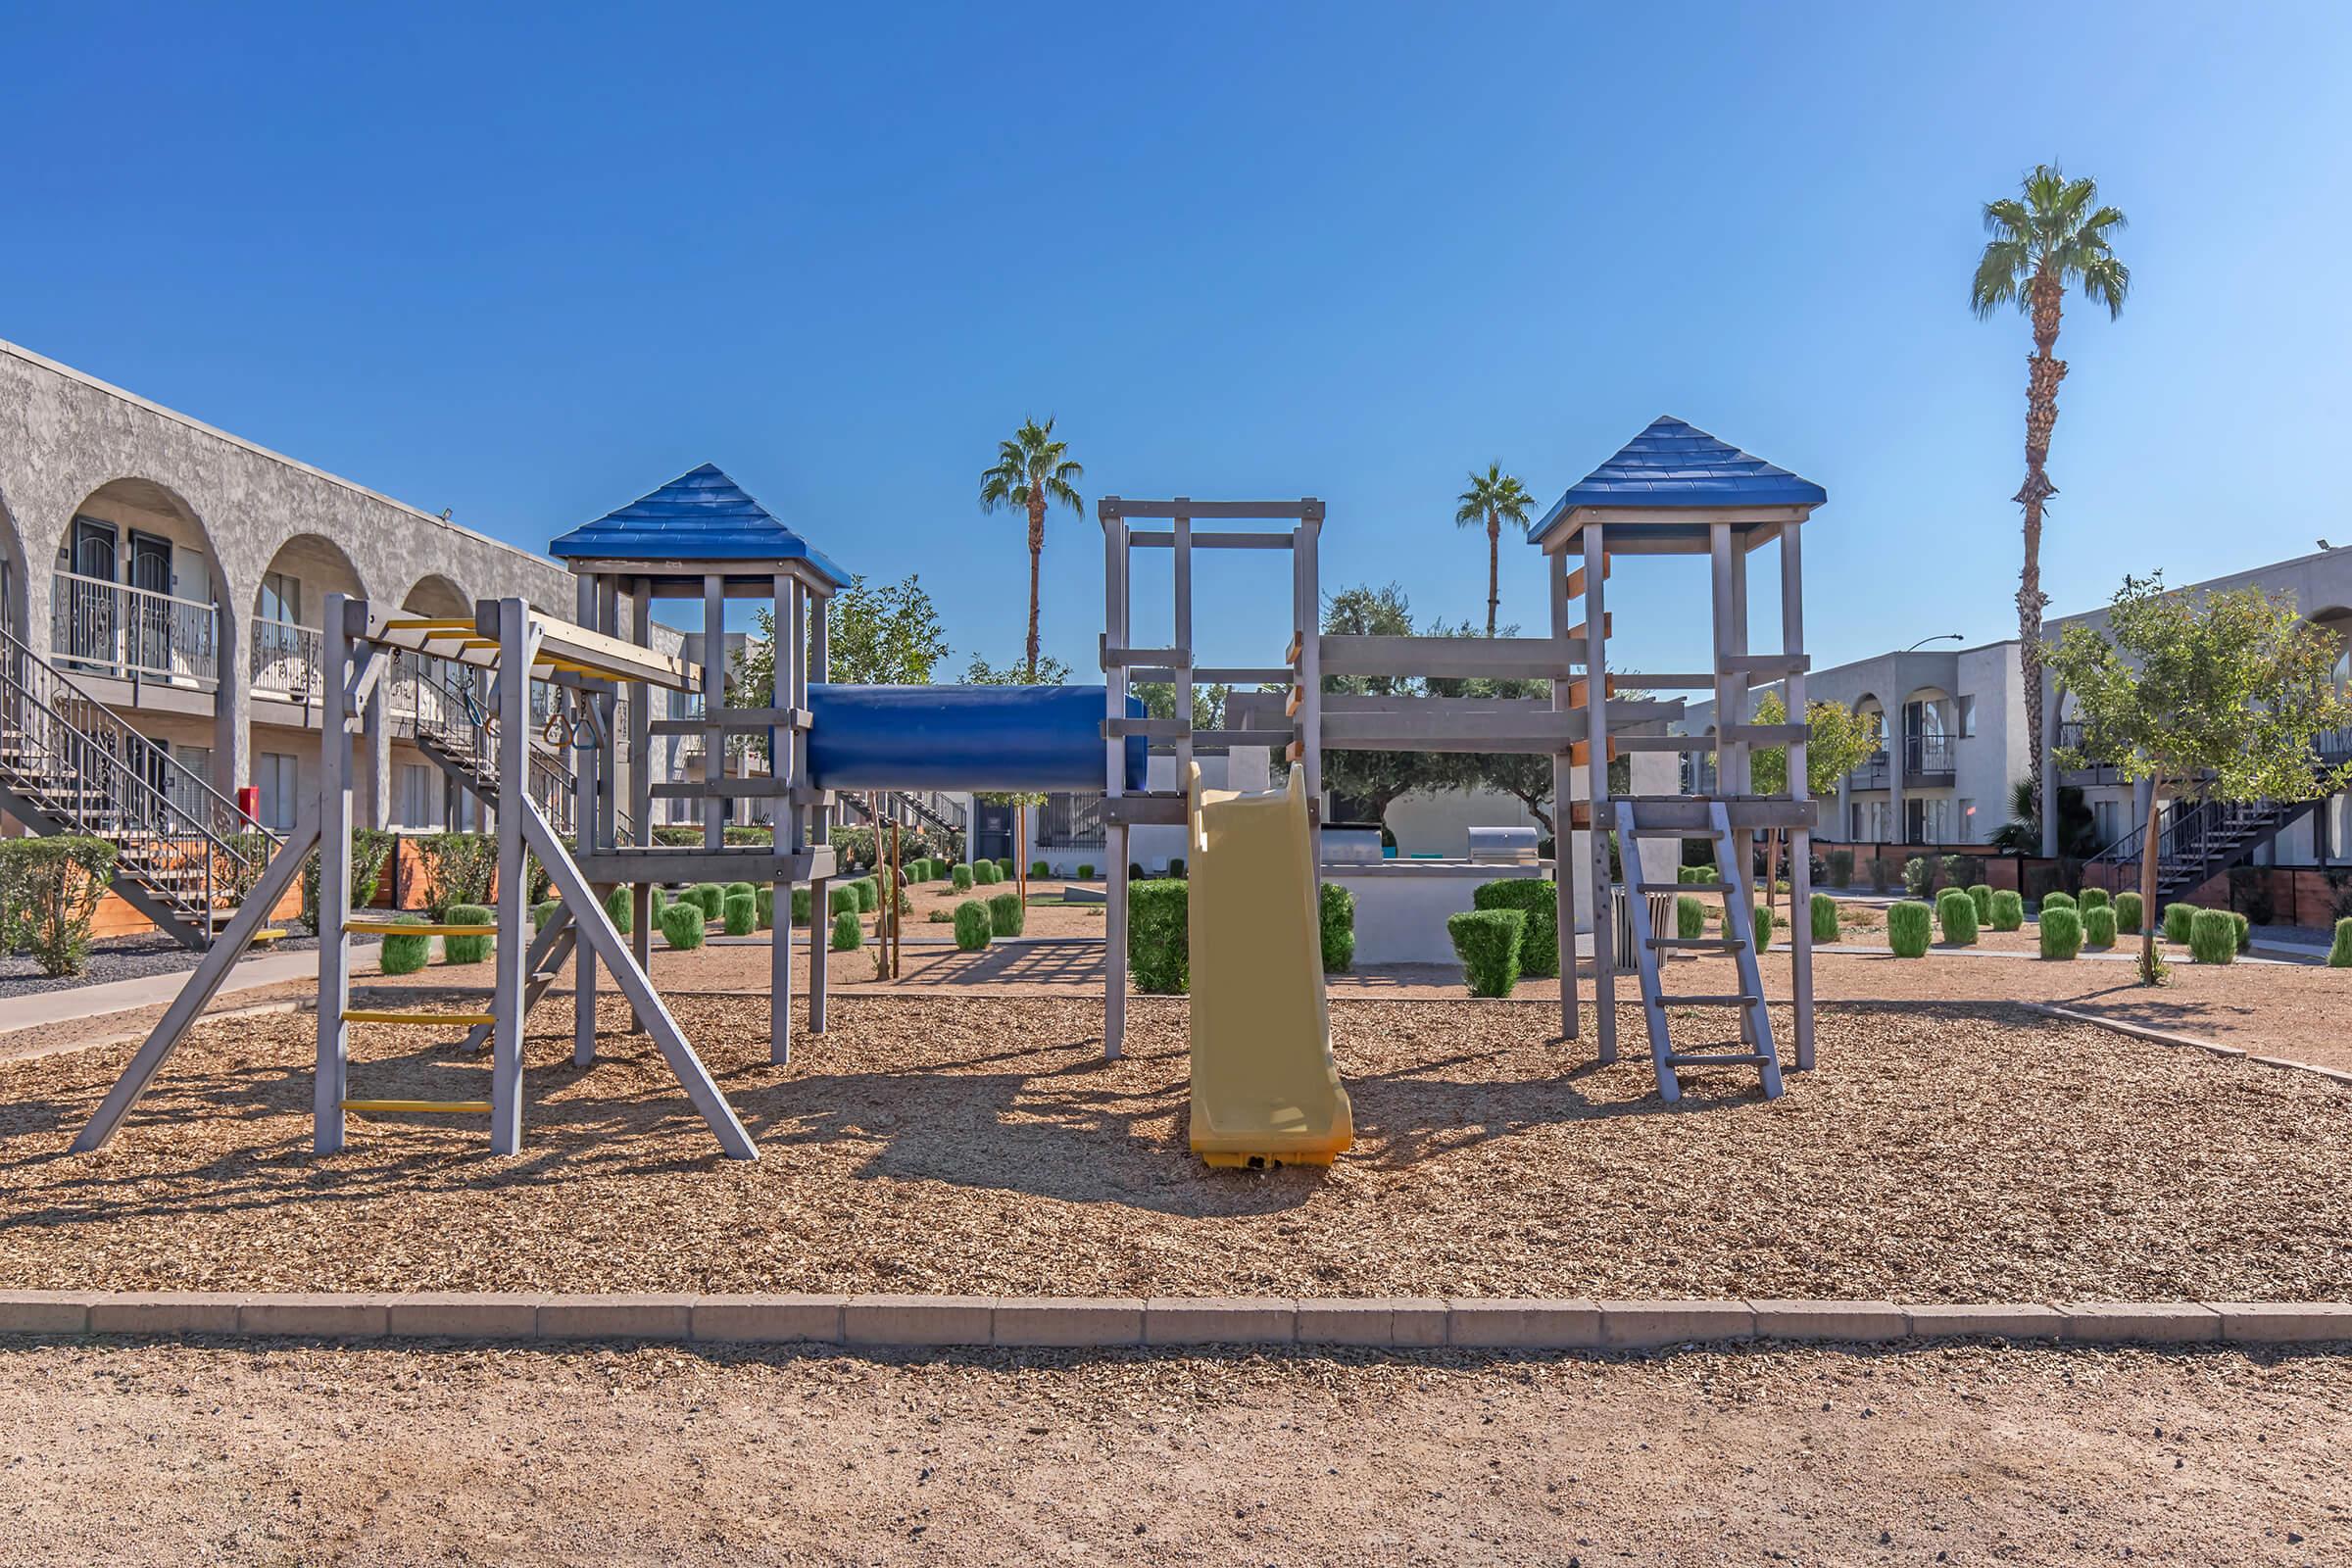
column 1697, row 873
column 1004, row 866
column 741, row 912
column 2179, row 919
column 50, row 890
column 763, row 907
column 1918, row 876
column 849, row 933
column 1159, row 935
column 800, row 906
column 736, row 890
column 841, row 899
column 1689, row 915
column 1038, row 868
column 544, row 911
column 868, row 896
column 1909, row 928
column 621, row 908
column 1539, row 898
column 2061, row 928
column 2245, row 930
column 2126, row 913
column 2211, row 936
column 2094, row 898
column 368, row 846
column 1005, row 916
column 458, row 868
column 711, row 896
column 1086, row 871
column 941, row 917
column 1980, row 893
column 2339, row 957
column 2058, row 901
column 661, row 899
column 1761, row 914
column 1841, row 863
column 973, row 927
column 1337, row 918
column 405, row 954
column 1956, row 913
column 468, row 949
column 1824, row 917
column 2008, row 910
column 962, row 878
column 1487, row 942
column 682, row 925
column 2098, row 925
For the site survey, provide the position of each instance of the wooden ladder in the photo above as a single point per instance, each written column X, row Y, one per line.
column 1739, row 923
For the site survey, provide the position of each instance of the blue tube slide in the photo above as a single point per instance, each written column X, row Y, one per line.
column 1013, row 738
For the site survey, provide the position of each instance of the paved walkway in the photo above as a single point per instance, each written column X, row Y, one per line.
column 45, row 1007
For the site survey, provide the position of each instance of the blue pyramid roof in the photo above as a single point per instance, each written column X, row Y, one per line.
column 699, row 516
column 1674, row 464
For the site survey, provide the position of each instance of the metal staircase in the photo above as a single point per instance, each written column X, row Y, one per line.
column 68, row 764
column 2198, row 841
column 443, row 708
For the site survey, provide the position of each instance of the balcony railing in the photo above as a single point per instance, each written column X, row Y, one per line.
column 1870, row 773
column 111, row 628
column 1925, row 756
column 287, row 659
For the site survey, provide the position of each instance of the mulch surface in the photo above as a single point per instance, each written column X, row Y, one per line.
column 978, row 1144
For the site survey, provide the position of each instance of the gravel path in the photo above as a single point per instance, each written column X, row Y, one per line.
column 172, row 1455
column 976, row 1144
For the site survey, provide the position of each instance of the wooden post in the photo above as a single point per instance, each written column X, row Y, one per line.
column 1596, row 793
column 586, row 799
column 1114, row 835
column 785, row 689
column 1801, row 788
column 714, row 699
column 640, row 787
column 328, row 1089
column 514, row 920
column 820, row 665
column 1563, row 789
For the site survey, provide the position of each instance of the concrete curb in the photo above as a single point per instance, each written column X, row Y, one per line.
column 2165, row 1037
column 900, row 1322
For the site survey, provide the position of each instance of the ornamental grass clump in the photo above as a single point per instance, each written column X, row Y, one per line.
column 405, row 954
column 867, row 895
column 468, row 949
column 2126, row 913
column 1486, row 941
column 2179, row 919
column 2339, row 957
column 682, row 925
column 1338, row 922
column 2096, row 899
column 2211, row 936
column 841, row 899
column 1159, row 936
column 741, row 913
column 1537, row 898
column 1762, row 916
column 1910, row 927
column 2245, row 930
column 544, row 911
column 1006, row 915
column 2098, row 925
column 2008, row 912
column 2061, row 932
column 763, row 907
column 973, row 927
column 849, row 933
column 2058, row 901
column 1956, row 913
column 960, row 877
column 711, row 896
column 1690, row 916
column 1981, row 895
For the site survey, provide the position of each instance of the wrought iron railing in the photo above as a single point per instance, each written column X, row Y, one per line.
column 1928, row 753
column 2192, row 835
column 177, row 836
column 288, row 660
column 111, row 628
column 445, row 705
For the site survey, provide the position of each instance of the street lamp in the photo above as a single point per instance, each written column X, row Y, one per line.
column 1948, row 637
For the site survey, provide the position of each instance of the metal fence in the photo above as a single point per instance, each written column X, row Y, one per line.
column 111, row 628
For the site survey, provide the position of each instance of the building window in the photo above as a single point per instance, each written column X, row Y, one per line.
column 2106, row 818
column 281, row 598
column 273, row 773
column 419, row 796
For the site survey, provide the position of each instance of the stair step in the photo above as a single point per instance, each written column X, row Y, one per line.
column 1721, row 1058
column 391, row 1015
column 418, row 1108
column 1696, row 1001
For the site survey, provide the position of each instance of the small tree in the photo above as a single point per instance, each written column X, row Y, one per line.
column 2216, row 698
column 1837, row 740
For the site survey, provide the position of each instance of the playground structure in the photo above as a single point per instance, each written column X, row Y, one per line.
column 1265, row 1087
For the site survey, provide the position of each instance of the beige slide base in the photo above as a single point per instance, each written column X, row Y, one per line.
column 1265, row 1089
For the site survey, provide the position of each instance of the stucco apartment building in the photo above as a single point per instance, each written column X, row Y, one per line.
column 1955, row 742
column 175, row 576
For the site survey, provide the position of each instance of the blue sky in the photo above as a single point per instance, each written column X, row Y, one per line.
column 529, row 268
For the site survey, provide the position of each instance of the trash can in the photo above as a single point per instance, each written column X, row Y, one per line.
column 1621, row 923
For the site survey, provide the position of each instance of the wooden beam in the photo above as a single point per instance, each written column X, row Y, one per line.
column 1449, row 657
column 1576, row 578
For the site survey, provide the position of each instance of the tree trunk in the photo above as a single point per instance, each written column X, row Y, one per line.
column 2148, row 913
column 2043, row 372
column 1494, row 566
column 1037, row 550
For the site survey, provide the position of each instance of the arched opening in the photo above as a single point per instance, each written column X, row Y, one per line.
column 287, row 605
column 135, row 590
column 12, row 573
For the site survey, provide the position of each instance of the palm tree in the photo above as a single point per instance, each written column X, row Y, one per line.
column 2051, row 234
column 1493, row 498
column 1032, row 471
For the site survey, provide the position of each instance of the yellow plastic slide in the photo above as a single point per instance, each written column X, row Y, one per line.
column 1265, row 1091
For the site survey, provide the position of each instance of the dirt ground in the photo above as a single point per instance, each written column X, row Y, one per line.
column 979, row 1143
column 233, row 1453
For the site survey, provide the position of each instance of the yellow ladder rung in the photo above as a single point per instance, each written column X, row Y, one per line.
column 430, row 623
column 377, row 1015
column 396, row 929
column 455, row 1108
